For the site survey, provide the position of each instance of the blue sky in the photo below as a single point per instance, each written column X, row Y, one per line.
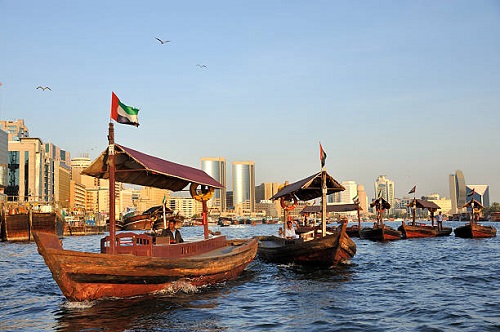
column 407, row 89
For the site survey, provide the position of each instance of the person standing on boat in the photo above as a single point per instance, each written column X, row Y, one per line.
column 290, row 230
column 172, row 232
column 439, row 220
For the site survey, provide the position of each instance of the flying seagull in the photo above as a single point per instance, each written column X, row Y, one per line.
column 201, row 66
column 162, row 41
column 43, row 88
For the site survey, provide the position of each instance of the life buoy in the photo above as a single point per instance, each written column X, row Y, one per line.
column 287, row 207
column 203, row 194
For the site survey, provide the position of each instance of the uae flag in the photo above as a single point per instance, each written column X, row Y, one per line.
column 412, row 190
column 322, row 155
column 122, row 113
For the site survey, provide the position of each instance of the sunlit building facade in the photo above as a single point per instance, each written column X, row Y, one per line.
column 458, row 191
column 244, row 187
column 216, row 168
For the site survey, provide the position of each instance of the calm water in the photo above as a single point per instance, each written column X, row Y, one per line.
column 439, row 284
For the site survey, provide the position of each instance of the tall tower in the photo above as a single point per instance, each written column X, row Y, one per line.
column 244, row 186
column 216, row 168
column 458, row 191
column 385, row 187
column 349, row 193
column 363, row 200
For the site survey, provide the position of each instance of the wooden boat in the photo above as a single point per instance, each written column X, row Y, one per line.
column 316, row 247
column 418, row 230
column 143, row 221
column 495, row 216
column 472, row 229
column 311, row 249
column 18, row 222
column 130, row 264
column 380, row 231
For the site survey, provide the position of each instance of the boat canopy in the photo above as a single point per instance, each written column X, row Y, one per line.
column 376, row 204
column 477, row 204
column 331, row 208
column 309, row 188
column 421, row 204
column 139, row 168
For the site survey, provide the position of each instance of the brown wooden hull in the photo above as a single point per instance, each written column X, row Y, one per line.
column 383, row 234
column 20, row 226
column 421, row 230
column 137, row 225
column 353, row 231
column 475, row 231
column 83, row 230
column 325, row 251
column 146, row 269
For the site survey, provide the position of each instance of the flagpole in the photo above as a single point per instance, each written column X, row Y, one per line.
column 111, row 169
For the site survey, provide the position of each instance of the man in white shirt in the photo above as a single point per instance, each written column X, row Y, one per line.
column 290, row 231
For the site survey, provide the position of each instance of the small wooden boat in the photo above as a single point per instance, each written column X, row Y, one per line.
column 473, row 229
column 143, row 221
column 317, row 247
column 418, row 230
column 131, row 264
column 380, row 231
column 311, row 249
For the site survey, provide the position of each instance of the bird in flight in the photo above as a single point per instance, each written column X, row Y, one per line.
column 43, row 88
column 201, row 66
column 162, row 41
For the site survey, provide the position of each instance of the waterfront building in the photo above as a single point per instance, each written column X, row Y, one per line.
column 443, row 203
column 458, row 191
column 268, row 208
column 265, row 191
column 25, row 175
column 4, row 159
column 244, row 187
column 216, row 168
column 363, row 199
column 351, row 191
column 385, row 187
column 481, row 193
column 185, row 206
column 15, row 129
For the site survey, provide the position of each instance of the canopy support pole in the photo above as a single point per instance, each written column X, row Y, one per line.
column 111, row 169
column 323, row 202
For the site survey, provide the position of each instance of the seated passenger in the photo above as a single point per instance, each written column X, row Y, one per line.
column 290, row 231
column 173, row 233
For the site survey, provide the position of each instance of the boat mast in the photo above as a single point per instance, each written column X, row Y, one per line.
column 323, row 201
column 111, row 169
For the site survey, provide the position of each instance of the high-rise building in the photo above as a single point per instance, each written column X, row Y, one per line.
column 15, row 129
column 216, row 168
column 363, row 199
column 265, row 191
column 244, row 187
column 4, row 159
column 385, row 187
column 481, row 193
column 351, row 191
column 458, row 191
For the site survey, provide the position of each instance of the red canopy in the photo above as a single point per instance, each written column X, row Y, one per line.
column 139, row 168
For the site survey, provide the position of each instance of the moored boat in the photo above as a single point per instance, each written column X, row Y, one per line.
column 19, row 220
column 131, row 264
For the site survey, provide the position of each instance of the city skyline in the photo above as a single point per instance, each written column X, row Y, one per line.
column 406, row 89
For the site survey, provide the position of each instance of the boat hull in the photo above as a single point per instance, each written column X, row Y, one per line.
column 146, row 269
column 421, row 230
column 320, row 251
column 475, row 231
column 383, row 234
